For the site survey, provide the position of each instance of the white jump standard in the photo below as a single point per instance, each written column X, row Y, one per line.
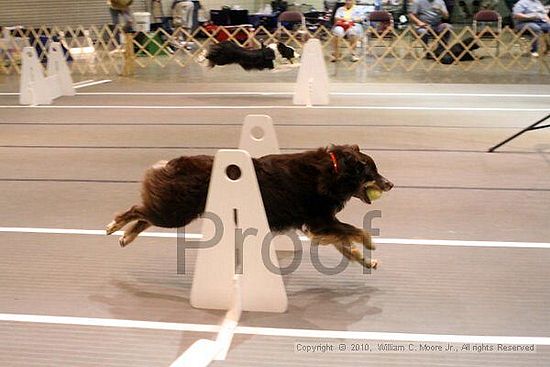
column 37, row 88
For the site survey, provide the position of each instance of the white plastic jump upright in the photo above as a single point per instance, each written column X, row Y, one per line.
column 238, row 203
column 35, row 88
column 312, row 86
column 57, row 65
column 258, row 136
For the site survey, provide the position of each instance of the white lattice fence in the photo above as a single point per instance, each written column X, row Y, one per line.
column 107, row 50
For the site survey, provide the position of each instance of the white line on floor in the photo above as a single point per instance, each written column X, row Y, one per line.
column 263, row 108
column 92, row 83
column 281, row 332
column 460, row 243
column 420, row 94
column 77, row 83
column 95, row 232
column 198, row 236
column 370, row 94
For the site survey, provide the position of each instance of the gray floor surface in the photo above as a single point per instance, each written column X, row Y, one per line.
column 75, row 163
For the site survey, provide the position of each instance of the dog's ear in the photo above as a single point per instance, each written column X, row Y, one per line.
column 347, row 154
column 351, row 166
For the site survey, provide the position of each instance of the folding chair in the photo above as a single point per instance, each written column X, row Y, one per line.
column 484, row 19
column 292, row 21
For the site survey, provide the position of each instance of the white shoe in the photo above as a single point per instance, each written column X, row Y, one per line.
column 535, row 54
column 354, row 58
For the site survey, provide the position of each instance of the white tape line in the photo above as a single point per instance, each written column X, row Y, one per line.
column 120, row 323
column 281, row 332
column 419, row 94
column 83, row 82
column 204, row 351
column 460, row 243
column 95, row 232
column 224, row 338
column 92, row 83
column 198, row 236
column 231, row 321
column 200, row 354
column 263, row 108
column 370, row 94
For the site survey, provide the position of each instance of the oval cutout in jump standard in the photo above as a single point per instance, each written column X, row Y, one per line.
column 233, row 172
column 257, row 133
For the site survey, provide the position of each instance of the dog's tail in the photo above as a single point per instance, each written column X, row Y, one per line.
column 223, row 53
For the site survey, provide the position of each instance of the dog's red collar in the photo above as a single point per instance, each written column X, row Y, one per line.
column 334, row 161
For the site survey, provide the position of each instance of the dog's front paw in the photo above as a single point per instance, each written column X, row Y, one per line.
column 369, row 264
column 357, row 255
column 111, row 228
column 122, row 241
column 373, row 264
column 367, row 241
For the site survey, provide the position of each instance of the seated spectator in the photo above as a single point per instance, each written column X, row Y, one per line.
column 530, row 15
column 347, row 22
column 426, row 14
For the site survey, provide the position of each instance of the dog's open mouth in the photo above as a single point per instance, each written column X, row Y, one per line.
column 363, row 193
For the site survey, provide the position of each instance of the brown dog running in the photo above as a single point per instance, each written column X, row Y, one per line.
column 300, row 191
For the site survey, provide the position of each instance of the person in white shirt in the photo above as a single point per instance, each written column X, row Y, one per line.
column 347, row 23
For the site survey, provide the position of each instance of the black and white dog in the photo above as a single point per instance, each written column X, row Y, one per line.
column 228, row 52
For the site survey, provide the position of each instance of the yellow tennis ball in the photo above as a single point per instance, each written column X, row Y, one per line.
column 374, row 194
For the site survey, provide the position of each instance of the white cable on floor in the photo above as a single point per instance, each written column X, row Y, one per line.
column 204, row 351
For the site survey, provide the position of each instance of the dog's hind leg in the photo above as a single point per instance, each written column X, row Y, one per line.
column 134, row 213
column 131, row 233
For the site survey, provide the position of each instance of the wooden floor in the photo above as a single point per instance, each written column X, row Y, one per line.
column 73, row 164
